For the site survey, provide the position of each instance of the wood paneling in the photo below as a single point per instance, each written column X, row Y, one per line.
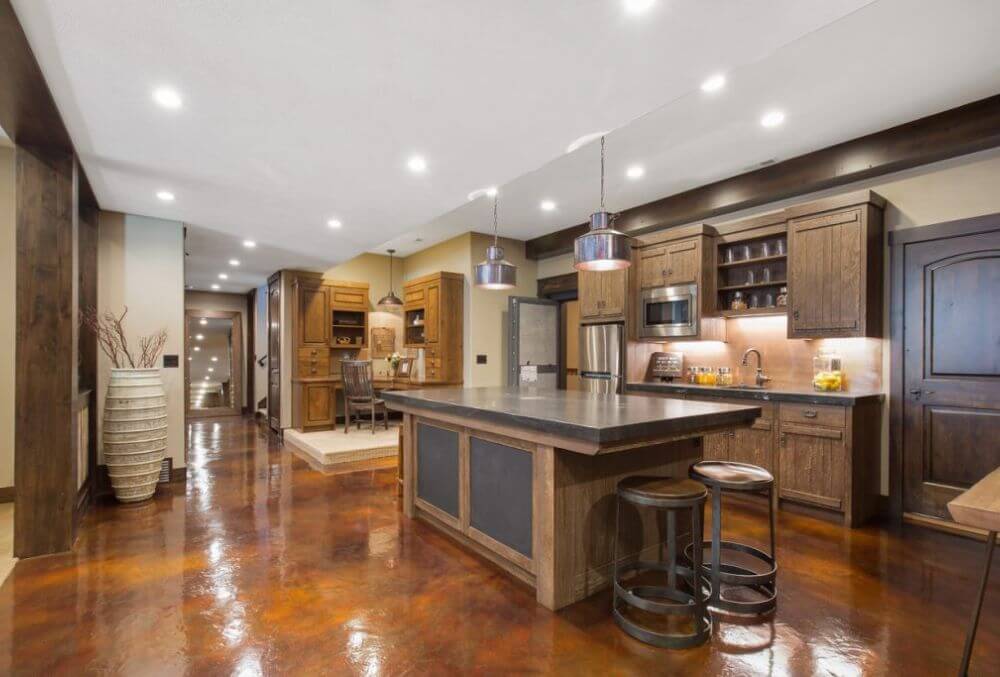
column 558, row 287
column 274, row 352
column 966, row 129
column 812, row 464
column 46, row 366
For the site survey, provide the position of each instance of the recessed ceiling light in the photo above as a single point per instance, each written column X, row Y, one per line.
column 584, row 140
column 167, row 97
column 714, row 83
column 211, row 369
column 165, row 195
column 206, row 378
column 249, row 244
column 190, row 358
column 417, row 164
column 203, row 321
column 334, row 223
column 638, row 6
column 547, row 205
column 481, row 192
column 196, row 348
column 215, row 359
column 234, row 262
column 223, row 276
column 199, row 337
column 215, row 286
column 635, row 172
column 772, row 118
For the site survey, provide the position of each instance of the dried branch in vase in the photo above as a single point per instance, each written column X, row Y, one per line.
column 110, row 332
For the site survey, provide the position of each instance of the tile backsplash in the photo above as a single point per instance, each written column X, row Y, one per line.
column 787, row 361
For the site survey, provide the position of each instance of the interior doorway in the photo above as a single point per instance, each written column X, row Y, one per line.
column 214, row 363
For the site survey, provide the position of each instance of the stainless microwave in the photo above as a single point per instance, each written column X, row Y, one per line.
column 666, row 312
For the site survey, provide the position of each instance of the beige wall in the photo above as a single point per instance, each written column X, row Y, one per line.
column 944, row 191
column 200, row 300
column 8, row 319
column 140, row 264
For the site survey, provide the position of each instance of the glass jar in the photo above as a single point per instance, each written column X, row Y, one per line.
column 782, row 299
column 710, row 376
column 692, row 375
column 725, row 377
column 828, row 373
column 738, row 303
column 742, row 252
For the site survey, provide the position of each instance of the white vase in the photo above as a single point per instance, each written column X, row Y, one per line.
column 135, row 432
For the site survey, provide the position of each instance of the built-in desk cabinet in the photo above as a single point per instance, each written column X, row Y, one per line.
column 432, row 320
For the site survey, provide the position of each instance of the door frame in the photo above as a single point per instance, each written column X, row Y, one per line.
column 514, row 345
column 898, row 240
column 236, row 364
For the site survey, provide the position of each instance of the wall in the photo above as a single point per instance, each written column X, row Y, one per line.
column 141, row 265
column 198, row 300
column 944, row 191
column 8, row 314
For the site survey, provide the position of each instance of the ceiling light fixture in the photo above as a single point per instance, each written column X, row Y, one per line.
column 390, row 300
column 635, row 172
column 584, row 140
column 167, row 97
column 165, row 195
column 547, row 205
column 334, row 223
column 602, row 248
column 249, row 244
column 481, row 192
column 638, row 6
column 234, row 262
column 196, row 349
column 199, row 337
column 223, row 276
column 211, row 369
column 203, row 321
column 772, row 118
column 714, row 83
column 215, row 286
column 417, row 164
column 495, row 272
column 215, row 359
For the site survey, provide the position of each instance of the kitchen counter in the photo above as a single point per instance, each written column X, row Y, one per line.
column 527, row 478
column 781, row 393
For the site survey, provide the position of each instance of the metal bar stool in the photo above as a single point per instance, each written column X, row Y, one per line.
column 722, row 476
column 671, row 495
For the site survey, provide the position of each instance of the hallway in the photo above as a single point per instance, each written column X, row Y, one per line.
column 265, row 566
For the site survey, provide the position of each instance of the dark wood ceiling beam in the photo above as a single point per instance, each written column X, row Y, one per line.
column 966, row 129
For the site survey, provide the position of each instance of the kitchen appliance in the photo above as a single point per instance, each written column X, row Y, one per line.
column 669, row 311
column 666, row 366
column 602, row 358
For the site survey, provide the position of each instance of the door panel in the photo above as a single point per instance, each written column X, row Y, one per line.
column 318, row 404
column 652, row 268
column 432, row 313
column 533, row 336
column 590, row 291
column 951, row 368
column 274, row 352
column 811, row 465
column 613, row 284
column 682, row 262
column 753, row 445
column 314, row 323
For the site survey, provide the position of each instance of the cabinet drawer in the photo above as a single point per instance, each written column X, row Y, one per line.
column 814, row 414
column 314, row 362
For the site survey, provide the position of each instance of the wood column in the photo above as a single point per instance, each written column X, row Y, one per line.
column 46, row 378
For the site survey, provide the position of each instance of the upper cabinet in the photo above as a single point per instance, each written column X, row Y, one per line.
column 602, row 295
column 432, row 318
column 313, row 306
column 835, row 273
column 670, row 264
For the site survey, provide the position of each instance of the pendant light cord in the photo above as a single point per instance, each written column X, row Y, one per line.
column 496, row 207
column 602, row 173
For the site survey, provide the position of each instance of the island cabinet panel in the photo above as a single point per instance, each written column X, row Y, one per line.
column 500, row 493
column 437, row 470
column 716, row 447
column 813, row 464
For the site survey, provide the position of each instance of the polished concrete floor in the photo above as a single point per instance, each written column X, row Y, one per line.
column 262, row 565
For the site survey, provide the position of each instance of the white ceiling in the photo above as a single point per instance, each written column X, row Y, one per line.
column 298, row 112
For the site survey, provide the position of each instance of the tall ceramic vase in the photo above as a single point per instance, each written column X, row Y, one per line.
column 135, row 432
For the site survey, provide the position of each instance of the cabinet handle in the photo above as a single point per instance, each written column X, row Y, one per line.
column 732, row 434
column 795, row 314
column 670, row 271
column 783, row 438
column 809, row 413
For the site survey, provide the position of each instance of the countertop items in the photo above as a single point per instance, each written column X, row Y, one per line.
column 804, row 394
column 597, row 419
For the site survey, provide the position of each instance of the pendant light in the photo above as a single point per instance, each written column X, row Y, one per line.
column 495, row 272
column 390, row 300
column 602, row 247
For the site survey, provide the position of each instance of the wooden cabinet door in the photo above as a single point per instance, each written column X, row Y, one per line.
column 614, row 285
column 753, row 445
column 825, row 275
column 716, row 447
column 317, row 405
column 812, row 465
column 314, row 320
column 354, row 298
column 590, row 291
column 652, row 267
column 683, row 262
column 432, row 313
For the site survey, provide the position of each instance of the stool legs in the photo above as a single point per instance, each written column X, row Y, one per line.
column 716, row 541
column 974, row 622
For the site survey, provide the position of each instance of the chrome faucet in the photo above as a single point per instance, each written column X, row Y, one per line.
column 760, row 380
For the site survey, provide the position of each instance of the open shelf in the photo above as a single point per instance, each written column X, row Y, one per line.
column 752, row 262
column 755, row 285
column 349, row 324
column 756, row 254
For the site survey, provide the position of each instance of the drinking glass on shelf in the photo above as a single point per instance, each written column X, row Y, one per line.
column 769, row 299
column 730, row 254
column 751, row 276
column 766, row 249
column 754, row 300
column 743, row 252
column 779, row 247
column 765, row 274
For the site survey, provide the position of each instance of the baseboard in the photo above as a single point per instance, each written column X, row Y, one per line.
column 6, row 494
column 178, row 475
column 947, row 526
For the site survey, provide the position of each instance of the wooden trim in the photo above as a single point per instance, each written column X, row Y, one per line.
column 959, row 131
column 430, row 277
column 439, row 514
column 824, row 501
column 946, row 526
column 947, row 229
column 251, row 357
column 505, row 551
column 6, row 494
column 543, row 526
column 559, row 287
column 235, row 367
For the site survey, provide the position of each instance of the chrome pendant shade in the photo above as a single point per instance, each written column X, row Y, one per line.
column 390, row 300
column 602, row 247
column 495, row 272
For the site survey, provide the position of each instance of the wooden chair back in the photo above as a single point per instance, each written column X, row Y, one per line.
column 357, row 379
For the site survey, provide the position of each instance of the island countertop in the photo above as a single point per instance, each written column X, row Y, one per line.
column 584, row 416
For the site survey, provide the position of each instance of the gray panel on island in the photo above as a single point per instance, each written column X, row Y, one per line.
column 500, row 493
column 437, row 467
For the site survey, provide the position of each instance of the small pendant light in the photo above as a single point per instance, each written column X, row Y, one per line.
column 602, row 247
column 390, row 300
column 495, row 272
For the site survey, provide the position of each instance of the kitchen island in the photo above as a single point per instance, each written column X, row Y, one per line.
column 527, row 478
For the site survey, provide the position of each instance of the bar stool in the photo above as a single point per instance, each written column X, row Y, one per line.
column 722, row 476
column 671, row 495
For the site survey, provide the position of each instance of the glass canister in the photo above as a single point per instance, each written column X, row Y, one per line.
column 692, row 375
column 725, row 376
column 828, row 372
column 710, row 376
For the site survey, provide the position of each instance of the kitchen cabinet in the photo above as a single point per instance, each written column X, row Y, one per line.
column 313, row 312
column 432, row 318
column 812, row 463
column 602, row 295
column 683, row 262
column 317, row 405
column 653, row 267
column 835, row 273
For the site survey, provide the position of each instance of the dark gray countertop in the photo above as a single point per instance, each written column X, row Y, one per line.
column 777, row 394
column 600, row 419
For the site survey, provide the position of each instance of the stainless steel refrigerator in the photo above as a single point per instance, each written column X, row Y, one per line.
column 602, row 358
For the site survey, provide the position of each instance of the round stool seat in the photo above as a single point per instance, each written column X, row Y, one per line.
column 732, row 475
column 663, row 491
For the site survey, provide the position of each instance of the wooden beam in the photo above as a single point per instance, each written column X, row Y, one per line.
column 959, row 131
column 558, row 286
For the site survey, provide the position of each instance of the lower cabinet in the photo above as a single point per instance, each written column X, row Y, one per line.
column 317, row 405
column 812, row 463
